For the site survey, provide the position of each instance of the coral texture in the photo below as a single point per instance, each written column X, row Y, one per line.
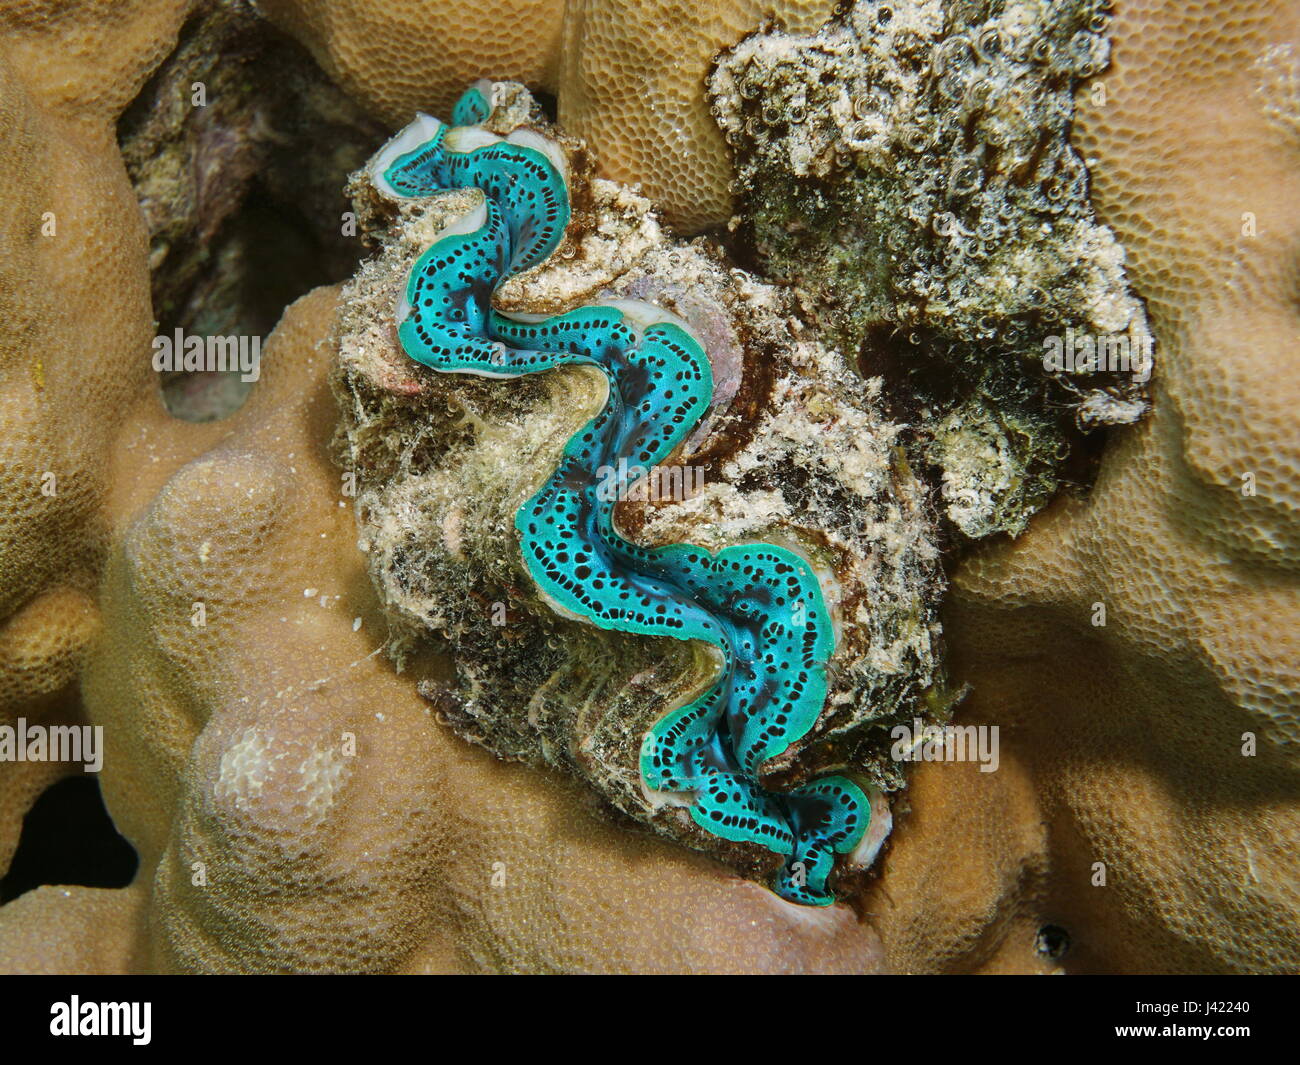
column 627, row 77
column 1160, row 739
column 630, row 80
column 74, row 315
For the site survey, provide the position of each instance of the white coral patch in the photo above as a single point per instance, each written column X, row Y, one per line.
column 255, row 780
column 323, row 773
column 244, row 770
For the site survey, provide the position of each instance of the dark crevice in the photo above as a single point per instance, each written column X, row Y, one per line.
column 239, row 148
column 548, row 103
column 68, row 838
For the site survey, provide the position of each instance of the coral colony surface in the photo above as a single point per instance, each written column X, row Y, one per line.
column 593, row 486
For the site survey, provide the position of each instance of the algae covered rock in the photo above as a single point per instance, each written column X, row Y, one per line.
column 908, row 167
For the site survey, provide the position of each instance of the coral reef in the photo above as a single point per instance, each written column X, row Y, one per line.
column 300, row 804
column 69, row 354
column 234, row 514
column 1160, row 742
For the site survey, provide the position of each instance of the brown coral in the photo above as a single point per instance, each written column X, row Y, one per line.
column 629, row 78
column 380, row 52
column 74, row 336
column 631, row 82
column 1135, row 735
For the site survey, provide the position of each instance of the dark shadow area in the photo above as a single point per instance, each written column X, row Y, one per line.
column 239, row 148
column 68, row 838
column 1052, row 942
column 547, row 102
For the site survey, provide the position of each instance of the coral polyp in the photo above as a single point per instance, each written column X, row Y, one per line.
column 759, row 605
